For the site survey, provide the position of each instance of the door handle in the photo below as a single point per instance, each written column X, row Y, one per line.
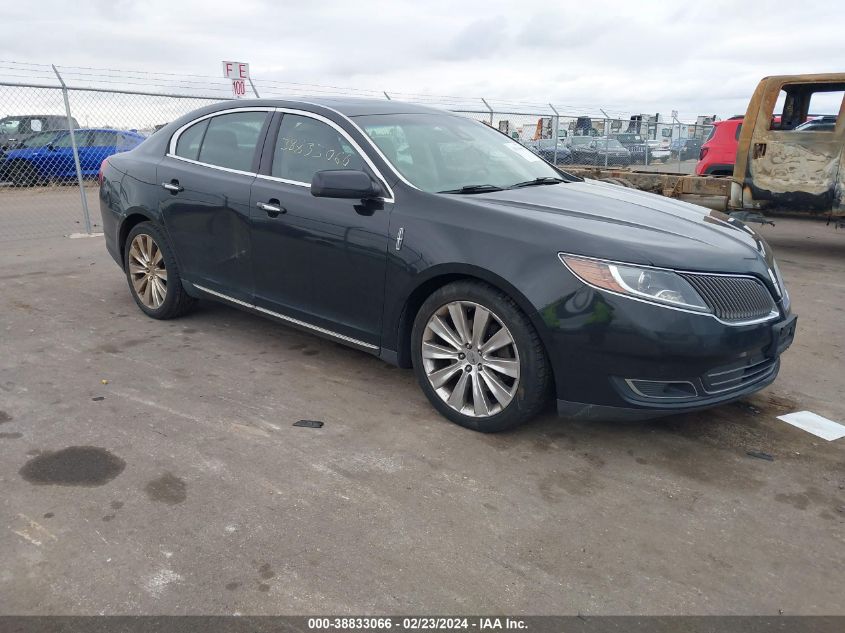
column 273, row 208
column 173, row 186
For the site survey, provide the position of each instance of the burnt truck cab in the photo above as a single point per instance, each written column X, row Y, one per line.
column 781, row 166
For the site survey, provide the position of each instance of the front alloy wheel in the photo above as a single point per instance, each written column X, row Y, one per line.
column 478, row 358
column 470, row 359
column 147, row 271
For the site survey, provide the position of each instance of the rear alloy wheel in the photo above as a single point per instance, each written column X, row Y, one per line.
column 153, row 274
column 147, row 271
column 481, row 367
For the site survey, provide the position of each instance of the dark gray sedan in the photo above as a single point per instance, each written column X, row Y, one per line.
column 435, row 242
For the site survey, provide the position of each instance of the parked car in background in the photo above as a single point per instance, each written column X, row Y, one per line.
column 826, row 123
column 658, row 151
column 635, row 144
column 435, row 242
column 718, row 154
column 16, row 129
column 597, row 150
column 685, row 148
column 31, row 165
column 42, row 139
column 548, row 150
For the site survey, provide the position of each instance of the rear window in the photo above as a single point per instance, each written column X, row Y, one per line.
column 231, row 139
column 188, row 145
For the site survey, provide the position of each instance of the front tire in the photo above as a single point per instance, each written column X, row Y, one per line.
column 153, row 275
column 478, row 358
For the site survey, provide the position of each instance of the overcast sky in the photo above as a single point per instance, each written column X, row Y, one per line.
column 698, row 58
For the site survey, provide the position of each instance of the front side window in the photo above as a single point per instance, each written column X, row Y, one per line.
column 231, row 139
column 442, row 152
column 83, row 139
column 40, row 140
column 305, row 146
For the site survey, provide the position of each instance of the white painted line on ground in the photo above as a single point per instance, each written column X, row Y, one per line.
column 76, row 236
column 815, row 424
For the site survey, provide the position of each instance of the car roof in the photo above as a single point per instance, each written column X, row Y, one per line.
column 348, row 106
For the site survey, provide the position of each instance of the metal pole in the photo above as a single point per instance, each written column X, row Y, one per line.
column 606, row 134
column 257, row 96
column 85, row 215
column 556, row 131
column 387, row 96
column 487, row 105
column 680, row 143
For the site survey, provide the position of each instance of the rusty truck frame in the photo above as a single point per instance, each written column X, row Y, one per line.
column 777, row 166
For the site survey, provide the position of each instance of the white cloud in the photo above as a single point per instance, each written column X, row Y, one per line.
column 699, row 58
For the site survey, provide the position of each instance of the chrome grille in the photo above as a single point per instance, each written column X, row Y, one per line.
column 738, row 375
column 733, row 298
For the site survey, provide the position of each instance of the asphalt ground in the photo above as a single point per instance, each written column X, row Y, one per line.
column 153, row 468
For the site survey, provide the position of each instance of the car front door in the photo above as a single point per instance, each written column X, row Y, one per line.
column 319, row 261
column 57, row 158
column 205, row 179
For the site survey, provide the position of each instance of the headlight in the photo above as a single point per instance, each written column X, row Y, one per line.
column 780, row 286
column 650, row 284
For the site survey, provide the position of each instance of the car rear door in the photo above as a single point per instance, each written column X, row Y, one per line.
column 103, row 144
column 205, row 179
column 319, row 261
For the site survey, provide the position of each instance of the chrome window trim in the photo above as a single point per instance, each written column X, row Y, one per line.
column 209, row 165
column 774, row 314
column 319, row 117
column 283, row 317
column 369, row 140
column 171, row 148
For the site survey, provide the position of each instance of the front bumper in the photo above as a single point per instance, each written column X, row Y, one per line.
column 618, row 358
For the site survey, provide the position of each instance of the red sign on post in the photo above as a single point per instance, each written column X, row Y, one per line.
column 238, row 72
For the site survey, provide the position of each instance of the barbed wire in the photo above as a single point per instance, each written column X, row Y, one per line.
column 161, row 82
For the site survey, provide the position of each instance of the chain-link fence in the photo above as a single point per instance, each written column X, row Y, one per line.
column 609, row 142
column 54, row 137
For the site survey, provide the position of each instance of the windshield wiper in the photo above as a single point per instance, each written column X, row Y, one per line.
column 546, row 180
column 473, row 189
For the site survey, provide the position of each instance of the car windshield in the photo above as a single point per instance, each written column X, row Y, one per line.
column 609, row 143
column 40, row 140
column 442, row 152
column 582, row 140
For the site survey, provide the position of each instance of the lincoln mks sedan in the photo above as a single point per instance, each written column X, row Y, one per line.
column 437, row 243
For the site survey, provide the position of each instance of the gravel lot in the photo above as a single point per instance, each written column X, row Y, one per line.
column 199, row 496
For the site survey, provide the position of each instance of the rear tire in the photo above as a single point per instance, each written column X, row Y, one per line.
column 153, row 275
column 478, row 358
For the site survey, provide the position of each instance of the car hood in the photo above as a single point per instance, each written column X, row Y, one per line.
column 612, row 222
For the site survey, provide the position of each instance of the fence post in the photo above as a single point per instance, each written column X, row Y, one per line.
column 556, row 129
column 487, row 105
column 85, row 215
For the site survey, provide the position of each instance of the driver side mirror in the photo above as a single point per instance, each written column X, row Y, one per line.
column 344, row 183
